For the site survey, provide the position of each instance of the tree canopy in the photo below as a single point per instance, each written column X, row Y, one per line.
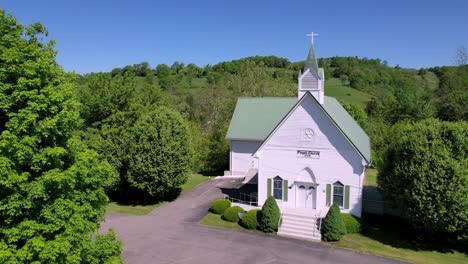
column 425, row 174
column 52, row 189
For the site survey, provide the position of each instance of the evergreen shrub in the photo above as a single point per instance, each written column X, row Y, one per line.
column 269, row 216
column 353, row 224
column 250, row 219
column 232, row 214
column 219, row 206
column 333, row 227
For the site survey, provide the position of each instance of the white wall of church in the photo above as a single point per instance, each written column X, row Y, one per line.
column 241, row 155
column 338, row 160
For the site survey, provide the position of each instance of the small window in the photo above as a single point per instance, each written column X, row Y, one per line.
column 338, row 193
column 278, row 188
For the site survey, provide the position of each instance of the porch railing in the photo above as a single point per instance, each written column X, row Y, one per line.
column 244, row 198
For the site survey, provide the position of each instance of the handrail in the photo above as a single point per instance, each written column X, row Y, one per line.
column 320, row 221
column 235, row 200
column 279, row 220
column 281, row 215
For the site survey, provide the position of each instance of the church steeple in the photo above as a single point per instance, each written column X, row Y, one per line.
column 311, row 61
column 312, row 79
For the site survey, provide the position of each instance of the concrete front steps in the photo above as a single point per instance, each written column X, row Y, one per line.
column 300, row 227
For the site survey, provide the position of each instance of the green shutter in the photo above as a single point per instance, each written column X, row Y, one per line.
column 328, row 194
column 285, row 190
column 268, row 188
column 346, row 198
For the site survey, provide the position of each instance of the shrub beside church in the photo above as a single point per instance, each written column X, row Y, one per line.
column 333, row 227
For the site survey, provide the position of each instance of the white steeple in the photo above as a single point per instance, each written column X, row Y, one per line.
column 312, row 78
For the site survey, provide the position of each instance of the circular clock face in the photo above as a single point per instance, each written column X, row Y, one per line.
column 308, row 133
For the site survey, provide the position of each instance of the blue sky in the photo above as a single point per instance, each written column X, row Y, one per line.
column 101, row 35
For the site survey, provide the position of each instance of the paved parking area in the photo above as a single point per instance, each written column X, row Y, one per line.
column 171, row 234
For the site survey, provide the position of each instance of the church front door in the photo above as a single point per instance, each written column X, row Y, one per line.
column 305, row 195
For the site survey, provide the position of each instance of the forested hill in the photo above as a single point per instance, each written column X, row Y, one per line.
column 375, row 94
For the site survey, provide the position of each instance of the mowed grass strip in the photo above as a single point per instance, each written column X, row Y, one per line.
column 368, row 244
column 193, row 181
column 215, row 220
column 113, row 207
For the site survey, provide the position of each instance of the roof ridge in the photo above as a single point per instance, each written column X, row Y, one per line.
column 267, row 97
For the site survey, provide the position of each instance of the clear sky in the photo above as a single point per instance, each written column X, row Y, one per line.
column 100, row 35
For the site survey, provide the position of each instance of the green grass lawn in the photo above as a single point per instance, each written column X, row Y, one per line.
column 114, row 207
column 215, row 220
column 193, row 181
column 334, row 88
column 392, row 246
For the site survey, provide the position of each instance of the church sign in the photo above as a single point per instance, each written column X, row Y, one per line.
column 309, row 154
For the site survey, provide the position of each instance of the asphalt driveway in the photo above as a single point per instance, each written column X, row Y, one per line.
column 171, row 234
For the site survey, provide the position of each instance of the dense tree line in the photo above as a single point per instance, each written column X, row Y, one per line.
column 206, row 96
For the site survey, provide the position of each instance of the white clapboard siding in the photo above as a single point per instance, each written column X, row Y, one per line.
column 338, row 160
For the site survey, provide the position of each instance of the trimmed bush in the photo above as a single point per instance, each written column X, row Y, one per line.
column 333, row 227
column 249, row 220
column 232, row 214
column 219, row 206
column 352, row 223
column 269, row 216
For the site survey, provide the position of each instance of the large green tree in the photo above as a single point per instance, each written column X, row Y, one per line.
column 51, row 188
column 160, row 156
column 425, row 173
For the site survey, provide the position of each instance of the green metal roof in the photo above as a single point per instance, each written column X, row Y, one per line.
column 348, row 126
column 255, row 118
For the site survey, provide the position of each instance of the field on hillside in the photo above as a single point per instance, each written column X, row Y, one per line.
column 334, row 88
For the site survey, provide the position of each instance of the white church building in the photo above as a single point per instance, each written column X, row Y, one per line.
column 306, row 152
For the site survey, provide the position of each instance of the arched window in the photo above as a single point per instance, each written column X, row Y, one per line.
column 338, row 193
column 278, row 188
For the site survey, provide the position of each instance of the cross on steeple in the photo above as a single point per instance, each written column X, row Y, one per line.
column 312, row 35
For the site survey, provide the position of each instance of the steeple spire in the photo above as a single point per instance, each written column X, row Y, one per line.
column 311, row 61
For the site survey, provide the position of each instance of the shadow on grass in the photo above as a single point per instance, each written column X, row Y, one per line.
column 132, row 197
column 212, row 173
column 398, row 233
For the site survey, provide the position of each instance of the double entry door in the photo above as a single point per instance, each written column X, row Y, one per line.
column 306, row 195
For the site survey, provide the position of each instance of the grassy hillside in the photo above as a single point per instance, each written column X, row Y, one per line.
column 334, row 88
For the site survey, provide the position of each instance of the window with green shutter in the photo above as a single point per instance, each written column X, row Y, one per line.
column 346, row 203
column 278, row 188
column 328, row 194
column 338, row 193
